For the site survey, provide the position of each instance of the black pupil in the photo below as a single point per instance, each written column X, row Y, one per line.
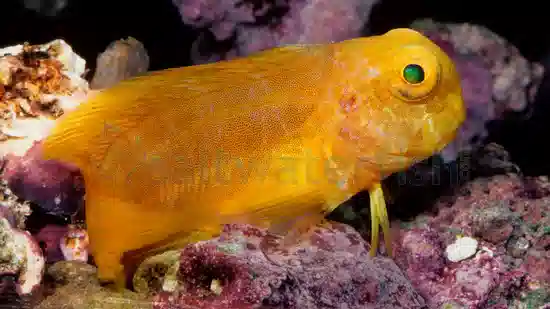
column 413, row 73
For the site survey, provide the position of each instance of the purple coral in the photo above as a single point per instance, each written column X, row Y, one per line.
column 49, row 237
column 55, row 187
column 331, row 268
column 250, row 25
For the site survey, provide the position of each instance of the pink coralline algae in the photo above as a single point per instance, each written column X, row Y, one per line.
column 57, row 188
column 331, row 268
column 232, row 28
column 465, row 283
column 509, row 216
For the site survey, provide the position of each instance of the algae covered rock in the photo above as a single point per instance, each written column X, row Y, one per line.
column 76, row 287
column 246, row 267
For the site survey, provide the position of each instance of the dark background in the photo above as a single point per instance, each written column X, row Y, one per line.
column 90, row 25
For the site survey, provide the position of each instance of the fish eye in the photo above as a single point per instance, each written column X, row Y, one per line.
column 413, row 74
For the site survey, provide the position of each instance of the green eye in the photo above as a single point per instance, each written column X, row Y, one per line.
column 413, row 73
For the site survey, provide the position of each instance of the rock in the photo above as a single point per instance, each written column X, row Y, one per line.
column 506, row 215
column 20, row 256
column 121, row 60
column 461, row 249
column 49, row 238
column 57, row 188
column 76, row 287
column 38, row 83
column 247, row 268
column 12, row 208
column 73, row 272
column 158, row 273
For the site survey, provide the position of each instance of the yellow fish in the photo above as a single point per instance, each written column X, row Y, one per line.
column 170, row 156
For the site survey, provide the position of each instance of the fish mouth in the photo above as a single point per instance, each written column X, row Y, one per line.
column 391, row 162
column 398, row 161
column 425, row 151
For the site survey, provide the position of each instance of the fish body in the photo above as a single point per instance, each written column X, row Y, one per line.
column 170, row 156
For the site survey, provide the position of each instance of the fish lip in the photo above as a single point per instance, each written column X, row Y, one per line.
column 412, row 159
column 414, row 156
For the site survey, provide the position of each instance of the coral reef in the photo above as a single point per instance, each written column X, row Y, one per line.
column 498, row 224
column 12, row 208
column 38, row 83
column 507, row 215
column 56, row 188
column 482, row 244
column 246, row 268
column 237, row 28
column 20, row 256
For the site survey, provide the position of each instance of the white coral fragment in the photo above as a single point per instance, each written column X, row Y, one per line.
column 461, row 249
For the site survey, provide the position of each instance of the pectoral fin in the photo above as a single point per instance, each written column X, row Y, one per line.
column 289, row 218
column 379, row 216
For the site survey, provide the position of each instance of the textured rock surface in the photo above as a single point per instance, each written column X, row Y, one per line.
column 120, row 60
column 57, row 188
column 330, row 268
column 74, row 285
column 38, row 83
column 508, row 215
column 21, row 257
